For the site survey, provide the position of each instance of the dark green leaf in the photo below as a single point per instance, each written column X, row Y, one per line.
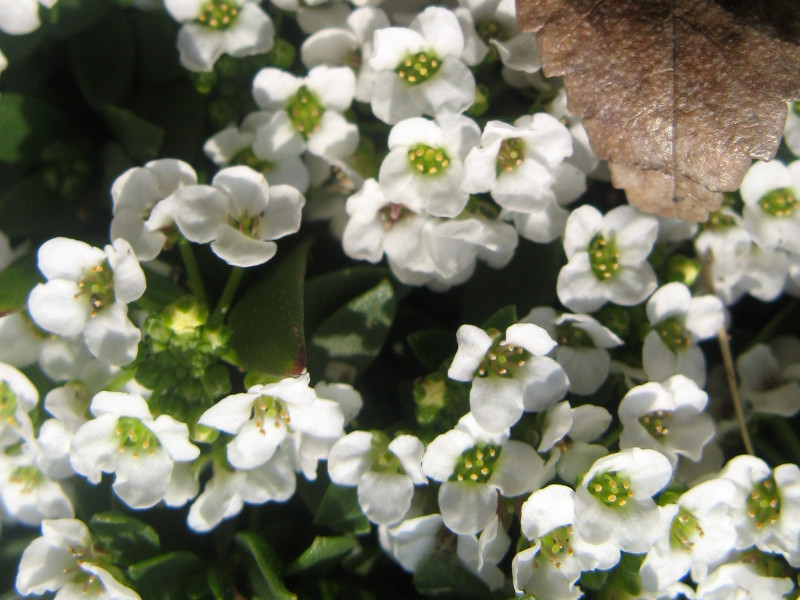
column 321, row 552
column 166, row 577
column 267, row 323
column 103, row 59
column 161, row 289
column 16, row 282
column 340, row 511
column 128, row 540
column 593, row 580
column 432, row 346
column 27, row 123
column 502, row 319
column 139, row 138
column 70, row 17
column 31, row 208
column 155, row 33
column 266, row 567
column 354, row 335
column 444, row 575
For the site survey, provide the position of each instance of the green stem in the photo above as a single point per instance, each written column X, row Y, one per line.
column 228, row 293
column 193, row 271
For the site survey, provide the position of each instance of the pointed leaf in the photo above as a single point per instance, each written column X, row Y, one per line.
column 340, row 511
column 139, row 138
column 129, row 540
column 444, row 575
column 322, row 551
column 16, row 282
column 27, row 123
column 166, row 576
column 265, row 573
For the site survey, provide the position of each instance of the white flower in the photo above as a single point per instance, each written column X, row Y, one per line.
column 87, row 292
column 791, row 131
column 551, row 566
column 261, row 419
column 411, row 541
column 307, row 112
column 695, row 532
column 135, row 195
column 18, row 17
column 607, row 258
column 474, row 465
column 482, row 553
column 240, row 214
column 770, row 377
column 384, row 472
column 614, row 502
column 124, row 439
column 419, row 70
column 725, row 244
column 667, row 417
column 212, row 28
column 771, row 195
column 741, row 581
column 679, row 321
column 510, row 374
column 18, row 397
column 236, row 146
column 424, row 168
column 63, row 560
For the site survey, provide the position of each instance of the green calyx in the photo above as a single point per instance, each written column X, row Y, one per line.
column 764, row 502
column 134, row 438
column 655, row 423
column 476, row 464
column 392, row 213
column 510, row 156
column 568, row 334
column 29, row 477
column 611, row 488
column 604, row 257
column 779, row 203
column 683, row 530
column 8, row 404
column 383, row 459
column 247, row 157
column 99, row 286
column 218, row 14
column 427, row 160
column 305, row 111
column 556, row 546
column 418, row 68
column 502, row 359
column 492, row 30
column 673, row 334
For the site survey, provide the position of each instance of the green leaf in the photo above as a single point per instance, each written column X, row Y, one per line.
column 16, row 282
column 166, row 577
column 432, row 346
column 322, row 551
column 139, row 138
column 354, row 335
column 444, row 575
column 267, row 323
column 70, row 17
column 340, row 511
column 27, row 124
column 128, row 540
column 103, row 59
column 265, row 574
column 161, row 289
column 502, row 319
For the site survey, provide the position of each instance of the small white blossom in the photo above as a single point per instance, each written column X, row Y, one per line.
column 18, row 397
column 741, row 581
column 18, row 17
column 771, row 195
column 411, row 541
column 482, row 553
column 770, row 377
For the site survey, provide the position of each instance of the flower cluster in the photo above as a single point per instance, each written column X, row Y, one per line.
column 218, row 368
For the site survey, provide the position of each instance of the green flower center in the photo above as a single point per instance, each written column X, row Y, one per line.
column 383, row 459
column 246, row 224
column 779, row 203
column 476, row 464
column 656, row 422
column 764, row 502
column 134, row 438
column 492, row 30
column 305, row 111
column 611, row 488
column 556, row 546
column 502, row 359
column 604, row 257
column 427, row 160
column 511, row 155
column 29, row 477
column 718, row 221
column 99, row 286
column 247, row 157
column 683, row 530
column 8, row 404
column 218, row 14
column 392, row 214
column 418, row 68
column 673, row 334
column 268, row 407
column 575, row 337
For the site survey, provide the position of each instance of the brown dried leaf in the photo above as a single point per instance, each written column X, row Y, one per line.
column 678, row 95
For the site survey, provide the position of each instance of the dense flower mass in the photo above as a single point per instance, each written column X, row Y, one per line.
column 532, row 389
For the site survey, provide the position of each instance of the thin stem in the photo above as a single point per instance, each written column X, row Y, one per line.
column 727, row 359
column 193, row 271
column 228, row 293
